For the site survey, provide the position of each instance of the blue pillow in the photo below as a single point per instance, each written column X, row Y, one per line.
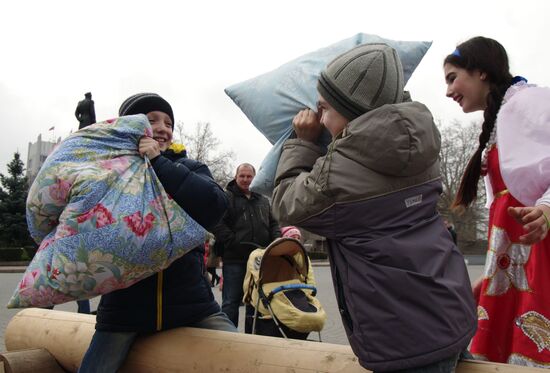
column 271, row 100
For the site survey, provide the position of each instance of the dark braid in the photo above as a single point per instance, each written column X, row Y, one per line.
column 489, row 57
column 467, row 191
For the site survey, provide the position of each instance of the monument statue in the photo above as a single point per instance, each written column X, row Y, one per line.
column 85, row 111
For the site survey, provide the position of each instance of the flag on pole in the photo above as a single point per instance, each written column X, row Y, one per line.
column 51, row 128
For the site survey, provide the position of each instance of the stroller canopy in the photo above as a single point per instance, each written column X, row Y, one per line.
column 281, row 276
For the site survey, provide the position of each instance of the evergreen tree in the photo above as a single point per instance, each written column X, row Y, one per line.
column 13, row 197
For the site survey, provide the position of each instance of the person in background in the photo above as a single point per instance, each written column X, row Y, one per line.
column 247, row 225
column 401, row 284
column 451, row 229
column 512, row 155
column 212, row 262
column 180, row 295
column 291, row 231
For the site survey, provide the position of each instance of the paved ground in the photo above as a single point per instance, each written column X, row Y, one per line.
column 333, row 331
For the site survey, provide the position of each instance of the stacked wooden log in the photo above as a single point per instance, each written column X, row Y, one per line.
column 40, row 340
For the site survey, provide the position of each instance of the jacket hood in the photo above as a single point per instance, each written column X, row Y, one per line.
column 395, row 140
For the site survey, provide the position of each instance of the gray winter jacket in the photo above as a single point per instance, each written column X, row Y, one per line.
column 401, row 283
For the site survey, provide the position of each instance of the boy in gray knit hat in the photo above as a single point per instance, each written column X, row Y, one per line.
column 401, row 283
column 362, row 79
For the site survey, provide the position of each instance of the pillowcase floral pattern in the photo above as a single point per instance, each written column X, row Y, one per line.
column 101, row 217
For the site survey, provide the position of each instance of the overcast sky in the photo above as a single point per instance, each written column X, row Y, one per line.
column 52, row 52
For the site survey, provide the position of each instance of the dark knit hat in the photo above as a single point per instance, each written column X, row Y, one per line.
column 364, row 78
column 143, row 103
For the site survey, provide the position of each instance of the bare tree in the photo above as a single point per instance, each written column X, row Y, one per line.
column 179, row 134
column 202, row 145
column 458, row 143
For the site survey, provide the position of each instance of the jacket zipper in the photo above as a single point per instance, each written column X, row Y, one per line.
column 159, row 300
column 340, row 300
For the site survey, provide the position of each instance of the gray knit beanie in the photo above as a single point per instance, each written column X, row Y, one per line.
column 364, row 78
column 143, row 103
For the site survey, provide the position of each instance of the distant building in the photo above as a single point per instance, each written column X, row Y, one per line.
column 37, row 154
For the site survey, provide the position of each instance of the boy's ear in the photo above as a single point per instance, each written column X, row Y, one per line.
column 483, row 76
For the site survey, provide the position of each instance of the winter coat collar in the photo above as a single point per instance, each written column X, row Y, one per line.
column 234, row 188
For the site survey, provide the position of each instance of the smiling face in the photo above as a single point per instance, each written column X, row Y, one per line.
column 162, row 128
column 330, row 118
column 243, row 178
column 468, row 88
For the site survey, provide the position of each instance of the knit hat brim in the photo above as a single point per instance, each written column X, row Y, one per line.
column 336, row 99
column 143, row 103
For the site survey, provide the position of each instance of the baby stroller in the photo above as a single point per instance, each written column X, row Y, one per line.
column 279, row 291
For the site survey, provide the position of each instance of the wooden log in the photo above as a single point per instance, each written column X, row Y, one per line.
column 66, row 336
column 30, row 361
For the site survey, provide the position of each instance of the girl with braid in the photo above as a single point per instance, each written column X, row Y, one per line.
column 514, row 157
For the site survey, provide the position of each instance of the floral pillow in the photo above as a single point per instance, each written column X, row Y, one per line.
column 271, row 100
column 101, row 217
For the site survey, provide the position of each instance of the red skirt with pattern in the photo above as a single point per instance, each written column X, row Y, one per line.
column 514, row 305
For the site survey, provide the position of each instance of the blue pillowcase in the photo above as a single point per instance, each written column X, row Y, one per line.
column 271, row 100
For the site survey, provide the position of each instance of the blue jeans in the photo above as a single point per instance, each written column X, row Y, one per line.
column 108, row 350
column 83, row 306
column 443, row 366
column 232, row 292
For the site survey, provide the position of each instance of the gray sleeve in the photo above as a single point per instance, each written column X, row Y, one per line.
column 301, row 182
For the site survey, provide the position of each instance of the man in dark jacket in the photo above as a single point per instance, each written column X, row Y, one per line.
column 248, row 224
column 179, row 295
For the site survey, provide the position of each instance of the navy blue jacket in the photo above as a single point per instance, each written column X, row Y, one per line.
column 181, row 292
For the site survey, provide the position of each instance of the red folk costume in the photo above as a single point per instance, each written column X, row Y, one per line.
column 514, row 305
